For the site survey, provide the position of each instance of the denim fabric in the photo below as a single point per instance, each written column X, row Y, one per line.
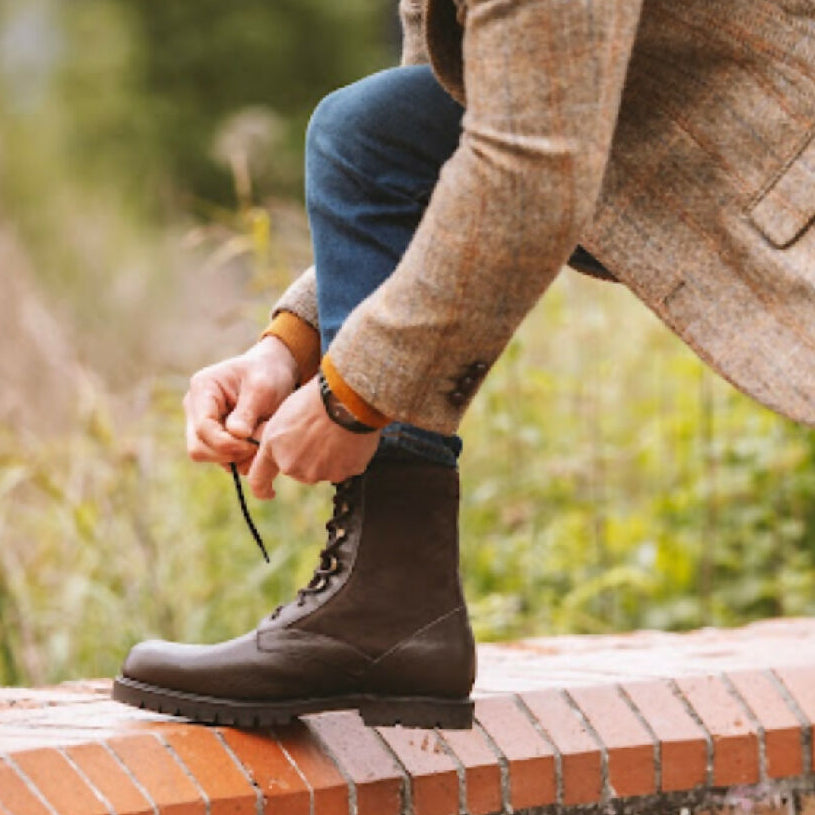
column 373, row 154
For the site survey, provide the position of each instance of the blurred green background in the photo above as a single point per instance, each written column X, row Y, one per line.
column 150, row 211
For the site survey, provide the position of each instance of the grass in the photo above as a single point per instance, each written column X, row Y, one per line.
column 610, row 482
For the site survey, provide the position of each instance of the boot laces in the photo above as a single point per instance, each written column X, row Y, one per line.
column 246, row 514
column 329, row 563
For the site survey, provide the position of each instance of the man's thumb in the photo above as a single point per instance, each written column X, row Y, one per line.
column 246, row 416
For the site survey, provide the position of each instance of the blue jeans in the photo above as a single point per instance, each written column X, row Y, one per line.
column 374, row 150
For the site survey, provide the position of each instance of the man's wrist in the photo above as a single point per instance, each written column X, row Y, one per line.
column 300, row 338
column 361, row 409
column 338, row 412
column 272, row 347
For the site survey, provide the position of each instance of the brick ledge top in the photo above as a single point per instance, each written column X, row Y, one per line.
column 573, row 721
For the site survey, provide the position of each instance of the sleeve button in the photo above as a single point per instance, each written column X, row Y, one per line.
column 456, row 398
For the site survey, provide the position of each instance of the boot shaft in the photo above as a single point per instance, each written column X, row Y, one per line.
column 403, row 544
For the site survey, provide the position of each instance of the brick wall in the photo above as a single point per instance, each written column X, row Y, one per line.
column 642, row 723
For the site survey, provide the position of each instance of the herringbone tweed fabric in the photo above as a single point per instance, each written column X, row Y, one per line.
column 675, row 140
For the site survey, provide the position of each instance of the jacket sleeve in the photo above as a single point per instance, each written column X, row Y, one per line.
column 300, row 298
column 543, row 84
column 411, row 13
column 294, row 321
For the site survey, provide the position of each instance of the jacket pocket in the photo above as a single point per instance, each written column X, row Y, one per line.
column 787, row 208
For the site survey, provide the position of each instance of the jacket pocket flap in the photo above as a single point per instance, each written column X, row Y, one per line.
column 787, row 208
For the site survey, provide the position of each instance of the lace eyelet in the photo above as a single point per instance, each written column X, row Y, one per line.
column 320, row 585
column 330, row 564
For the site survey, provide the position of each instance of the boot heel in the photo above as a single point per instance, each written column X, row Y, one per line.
column 448, row 714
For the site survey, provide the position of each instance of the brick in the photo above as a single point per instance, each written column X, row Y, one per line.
column 581, row 758
column 800, row 682
column 328, row 786
column 26, row 728
column 40, row 697
column 807, row 806
column 735, row 740
column 482, row 771
column 21, row 737
column 782, row 730
column 433, row 776
column 105, row 773
column 59, row 783
column 682, row 742
column 772, row 809
column 364, row 759
column 159, row 773
column 16, row 797
column 360, row 764
column 531, row 760
column 92, row 717
column 95, row 687
column 751, row 806
column 283, row 789
column 226, row 787
column 629, row 746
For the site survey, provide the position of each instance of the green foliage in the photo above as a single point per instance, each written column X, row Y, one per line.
column 613, row 482
column 110, row 536
column 200, row 63
column 607, row 486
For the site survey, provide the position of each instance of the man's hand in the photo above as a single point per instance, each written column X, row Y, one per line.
column 301, row 441
column 227, row 402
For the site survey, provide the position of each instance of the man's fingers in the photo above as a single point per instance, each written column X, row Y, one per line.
column 263, row 472
column 244, row 467
column 210, row 442
column 207, row 439
column 199, row 450
column 258, row 434
column 228, row 404
column 257, row 401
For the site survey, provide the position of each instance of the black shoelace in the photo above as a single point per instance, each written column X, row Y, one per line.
column 244, row 508
column 329, row 563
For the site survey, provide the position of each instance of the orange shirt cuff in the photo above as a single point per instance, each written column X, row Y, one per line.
column 301, row 338
column 365, row 413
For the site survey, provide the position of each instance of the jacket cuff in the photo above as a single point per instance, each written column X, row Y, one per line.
column 364, row 412
column 301, row 338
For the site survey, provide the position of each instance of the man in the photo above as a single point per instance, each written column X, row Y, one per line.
column 673, row 140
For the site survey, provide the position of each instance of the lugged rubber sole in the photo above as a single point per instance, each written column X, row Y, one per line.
column 420, row 711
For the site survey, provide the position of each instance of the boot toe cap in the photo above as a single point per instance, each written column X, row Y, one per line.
column 156, row 662
column 226, row 668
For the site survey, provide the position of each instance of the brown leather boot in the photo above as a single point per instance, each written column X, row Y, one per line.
column 382, row 627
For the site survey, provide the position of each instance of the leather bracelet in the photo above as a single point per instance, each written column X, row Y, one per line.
column 337, row 411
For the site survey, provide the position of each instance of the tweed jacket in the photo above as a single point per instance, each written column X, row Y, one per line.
column 674, row 140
